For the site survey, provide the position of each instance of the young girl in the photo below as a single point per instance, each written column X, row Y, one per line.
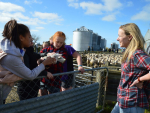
column 46, row 44
column 53, row 85
column 135, row 63
column 17, row 36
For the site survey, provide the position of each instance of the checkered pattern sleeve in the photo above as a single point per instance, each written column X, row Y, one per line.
column 44, row 50
column 142, row 60
column 127, row 96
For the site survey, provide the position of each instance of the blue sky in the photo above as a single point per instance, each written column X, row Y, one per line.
column 45, row 17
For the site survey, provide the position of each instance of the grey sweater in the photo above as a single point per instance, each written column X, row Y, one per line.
column 13, row 63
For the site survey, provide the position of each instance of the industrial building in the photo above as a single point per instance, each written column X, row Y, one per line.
column 147, row 39
column 114, row 46
column 84, row 38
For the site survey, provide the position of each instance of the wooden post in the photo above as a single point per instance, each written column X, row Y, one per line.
column 99, row 80
column 105, row 87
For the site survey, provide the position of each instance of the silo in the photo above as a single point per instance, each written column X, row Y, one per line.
column 98, row 42
column 103, row 43
column 82, row 39
column 94, row 41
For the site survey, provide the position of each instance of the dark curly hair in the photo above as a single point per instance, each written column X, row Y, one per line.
column 13, row 30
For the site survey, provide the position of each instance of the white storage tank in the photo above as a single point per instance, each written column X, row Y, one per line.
column 82, row 39
column 147, row 39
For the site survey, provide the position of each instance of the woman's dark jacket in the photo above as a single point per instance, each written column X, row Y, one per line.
column 27, row 88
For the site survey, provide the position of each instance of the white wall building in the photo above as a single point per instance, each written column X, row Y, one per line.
column 83, row 38
column 147, row 39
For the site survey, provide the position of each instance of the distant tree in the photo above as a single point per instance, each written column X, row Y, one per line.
column 35, row 38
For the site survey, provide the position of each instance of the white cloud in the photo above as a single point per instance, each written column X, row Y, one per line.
column 146, row 8
column 9, row 7
column 130, row 3
column 34, row 30
column 7, row 16
column 93, row 8
column 27, row 2
column 39, row 27
column 10, row 11
column 143, row 15
column 120, row 23
column 51, row 17
column 72, row 0
column 109, row 18
column 75, row 5
column 33, row 21
column 58, row 24
column 110, row 5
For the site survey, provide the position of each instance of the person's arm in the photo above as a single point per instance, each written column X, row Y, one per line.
column 16, row 66
column 43, row 54
column 79, row 61
column 78, row 57
column 145, row 77
column 141, row 61
column 139, row 82
column 45, row 73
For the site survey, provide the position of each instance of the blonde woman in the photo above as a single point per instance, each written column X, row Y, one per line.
column 135, row 63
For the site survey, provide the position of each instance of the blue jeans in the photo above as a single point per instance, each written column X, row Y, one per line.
column 117, row 109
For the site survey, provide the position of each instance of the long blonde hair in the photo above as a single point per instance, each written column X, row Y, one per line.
column 137, row 41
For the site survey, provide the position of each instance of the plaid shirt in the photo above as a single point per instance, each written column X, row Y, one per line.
column 138, row 65
column 54, row 68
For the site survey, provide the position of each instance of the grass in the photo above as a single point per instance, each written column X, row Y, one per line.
column 13, row 96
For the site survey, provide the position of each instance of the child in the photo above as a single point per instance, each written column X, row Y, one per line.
column 46, row 44
column 53, row 85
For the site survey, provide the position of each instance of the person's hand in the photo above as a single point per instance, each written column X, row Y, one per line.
column 49, row 75
column 81, row 69
column 137, row 84
column 39, row 61
column 50, row 54
column 42, row 58
column 49, row 61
